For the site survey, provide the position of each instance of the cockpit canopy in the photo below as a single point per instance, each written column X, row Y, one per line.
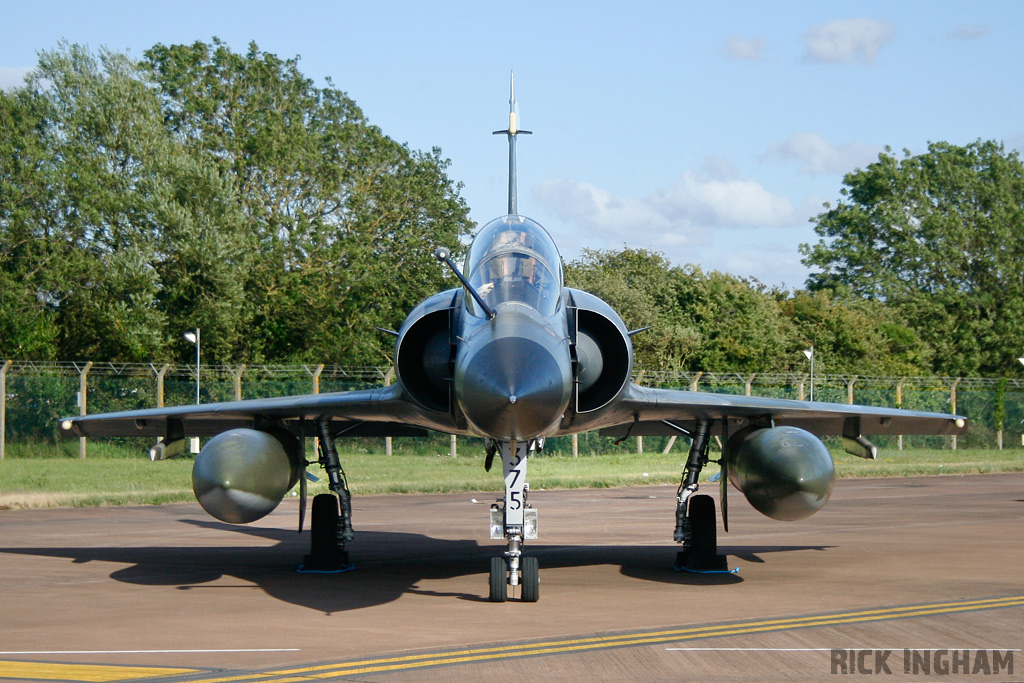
column 513, row 258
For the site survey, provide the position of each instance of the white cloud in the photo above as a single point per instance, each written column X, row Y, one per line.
column 816, row 155
column 970, row 31
column 847, row 40
column 12, row 77
column 599, row 213
column 685, row 212
column 770, row 263
column 719, row 168
column 700, row 202
column 751, row 49
column 711, row 218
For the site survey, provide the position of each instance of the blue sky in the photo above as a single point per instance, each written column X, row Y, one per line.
column 711, row 132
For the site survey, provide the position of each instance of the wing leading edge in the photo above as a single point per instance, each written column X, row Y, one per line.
column 653, row 408
column 370, row 412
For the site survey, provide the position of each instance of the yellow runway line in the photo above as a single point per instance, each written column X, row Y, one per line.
column 39, row 671
column 404, row 662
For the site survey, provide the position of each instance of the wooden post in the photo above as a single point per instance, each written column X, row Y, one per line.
column 749, row 384
column 849, row 389
column 388, row 445
column 83, row 400
column 668, row 446
column 3, row 406
column 575, row 445
column 696, row 380
column 316, row 378
column 899, row 404
column 238, row 381
column 160, row 374
column 952, row 404
column 316, row 390
column 454, row 450
column 640, row 439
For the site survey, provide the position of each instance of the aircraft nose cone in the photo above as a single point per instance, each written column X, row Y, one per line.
column 514, row 386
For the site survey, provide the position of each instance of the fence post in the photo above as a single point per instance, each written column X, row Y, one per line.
column 575, row 445
column 849, row 389
column 83, row 400
column 316, row 378
column 696, row 380
column 388, row 445
column 316, row 390
column 640, row 439
column 3, row 407
column 160, row 374
column 952, row 403
column 899, row 404
column 748, row 385
column 238, row 382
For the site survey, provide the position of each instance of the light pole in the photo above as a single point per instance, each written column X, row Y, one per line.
column 193, row 336
column 810, row 356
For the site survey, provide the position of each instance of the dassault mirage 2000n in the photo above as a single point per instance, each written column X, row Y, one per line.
column 513, row 356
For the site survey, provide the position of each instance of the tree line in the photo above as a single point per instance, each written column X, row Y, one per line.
column 199, row 187
column 203, row 188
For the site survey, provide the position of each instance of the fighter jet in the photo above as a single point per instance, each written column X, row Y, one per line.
column 513, row 356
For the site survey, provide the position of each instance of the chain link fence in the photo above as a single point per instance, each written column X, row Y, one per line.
column 33, row 396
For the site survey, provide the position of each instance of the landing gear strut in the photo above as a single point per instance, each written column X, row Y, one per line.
column 515, row 521
column 695, row 514
column 331, row 523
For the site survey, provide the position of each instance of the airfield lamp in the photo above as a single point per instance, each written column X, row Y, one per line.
column 810, row 356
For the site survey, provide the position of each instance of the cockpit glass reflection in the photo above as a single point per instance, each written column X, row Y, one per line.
column 514, row 259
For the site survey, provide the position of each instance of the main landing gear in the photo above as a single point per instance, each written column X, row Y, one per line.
column 516, row 521
column 695, row 514
column 331, row 522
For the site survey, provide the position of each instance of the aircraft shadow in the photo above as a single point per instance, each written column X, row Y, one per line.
column 387, row 565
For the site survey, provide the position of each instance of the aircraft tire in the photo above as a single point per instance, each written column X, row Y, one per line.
column 324, row 525
column 701, row 553
column 702, row 523
column 499, row 580
column 531, row 579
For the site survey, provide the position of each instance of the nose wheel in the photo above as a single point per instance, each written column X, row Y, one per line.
column 499, row 579
column 515, row 521
column 530, row 579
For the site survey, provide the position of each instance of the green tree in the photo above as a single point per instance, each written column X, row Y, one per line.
column 342, row 218
column 640, row 285
column 936, row 236
column 742, row 323
column 75, row 227
column 206, row 188
column 28, row 328
column 123, row 200
column 854, row 336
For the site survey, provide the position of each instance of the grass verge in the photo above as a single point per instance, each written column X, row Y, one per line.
column 67, row 482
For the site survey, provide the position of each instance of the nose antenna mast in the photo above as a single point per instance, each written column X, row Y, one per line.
column 512, row 131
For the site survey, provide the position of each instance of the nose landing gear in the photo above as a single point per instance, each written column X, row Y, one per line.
column 516, row 521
